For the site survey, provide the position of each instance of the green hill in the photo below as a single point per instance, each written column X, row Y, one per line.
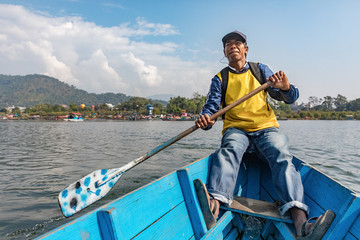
column 29, row 90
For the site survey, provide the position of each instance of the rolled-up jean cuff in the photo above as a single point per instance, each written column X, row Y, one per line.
column 284, row 208
column 226, row 201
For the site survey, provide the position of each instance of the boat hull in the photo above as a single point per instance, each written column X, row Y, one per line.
column 168, row 208
column 73, row 120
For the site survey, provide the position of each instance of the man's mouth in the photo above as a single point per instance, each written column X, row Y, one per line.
column 233, row 52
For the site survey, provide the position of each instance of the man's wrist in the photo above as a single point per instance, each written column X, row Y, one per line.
column 286, row 89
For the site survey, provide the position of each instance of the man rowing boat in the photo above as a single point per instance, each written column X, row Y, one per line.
column 252, row 126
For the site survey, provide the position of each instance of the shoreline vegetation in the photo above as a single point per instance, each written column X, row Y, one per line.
column 181, row 109
column 303, row 115
column 184, row 116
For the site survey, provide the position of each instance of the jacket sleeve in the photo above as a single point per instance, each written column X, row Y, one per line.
column 288, row 97
column 213, row 99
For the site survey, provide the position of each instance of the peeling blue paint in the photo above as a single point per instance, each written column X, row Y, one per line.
column 84, row 197
column 98, row 192
column 87, row 181
column 64, row 193
column 78, row 191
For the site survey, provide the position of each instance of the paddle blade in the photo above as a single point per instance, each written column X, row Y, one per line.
column 87, row 190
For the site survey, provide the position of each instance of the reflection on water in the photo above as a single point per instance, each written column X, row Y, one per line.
column 39, row 159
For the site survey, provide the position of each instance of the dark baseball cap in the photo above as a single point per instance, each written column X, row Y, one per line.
column 236, row 34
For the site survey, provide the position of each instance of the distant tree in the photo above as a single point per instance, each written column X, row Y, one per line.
column 303, row 114
column 340, row 102
column 158, row 109
column 357, row 115
column 325, row 115
column 190, row 106
column 284, row 107
column 178, row 101
column 196, row 97
column 58, row 108
column 176, row 105
column 354, row 105
column 314, row 101
column 40, row 108
column 198, row 101
column 135, row 104
column 102, row 107
column 328, row 103
column 16, row 110
column 310, row 114
column 73, row 107
column 202, row 103
column 296, row 115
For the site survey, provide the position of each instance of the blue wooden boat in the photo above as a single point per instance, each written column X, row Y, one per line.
column 74, row 117
column 168, row 208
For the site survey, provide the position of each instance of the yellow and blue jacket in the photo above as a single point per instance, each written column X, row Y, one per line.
column 254, row 114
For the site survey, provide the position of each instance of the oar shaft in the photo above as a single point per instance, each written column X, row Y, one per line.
column 154, row 151
column 193, row 128
column 159, row 148
column 74, row 198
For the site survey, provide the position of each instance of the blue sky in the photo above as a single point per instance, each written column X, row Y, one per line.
column 143, row 48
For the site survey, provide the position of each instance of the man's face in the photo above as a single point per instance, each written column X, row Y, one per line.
column 235, row 50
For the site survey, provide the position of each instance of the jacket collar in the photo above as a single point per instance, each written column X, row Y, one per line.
column 242, row 70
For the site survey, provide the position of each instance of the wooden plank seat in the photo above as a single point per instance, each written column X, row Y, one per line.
column 257, row 208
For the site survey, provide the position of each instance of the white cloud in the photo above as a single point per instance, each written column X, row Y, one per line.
column 97, row 59
column 105, row 74
column 148, row 74
column 146, row 28
column 52, row 66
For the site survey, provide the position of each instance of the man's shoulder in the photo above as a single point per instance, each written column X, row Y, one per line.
column 264, row 69
column 261, row 65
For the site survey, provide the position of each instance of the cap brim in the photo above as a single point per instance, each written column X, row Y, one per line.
column 233, row 35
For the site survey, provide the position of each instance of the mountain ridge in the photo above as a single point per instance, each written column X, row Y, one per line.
column 29, row 90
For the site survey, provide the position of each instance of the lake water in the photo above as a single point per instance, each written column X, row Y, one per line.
column 39, row 159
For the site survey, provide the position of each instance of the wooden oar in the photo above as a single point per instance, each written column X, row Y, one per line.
column 97, row 184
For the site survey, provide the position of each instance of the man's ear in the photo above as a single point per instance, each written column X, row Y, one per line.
column 224, row 53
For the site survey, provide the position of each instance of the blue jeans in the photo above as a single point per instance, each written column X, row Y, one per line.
column 270, row 145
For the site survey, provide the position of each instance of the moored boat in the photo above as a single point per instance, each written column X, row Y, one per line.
column 168, row 208
column 74, row 117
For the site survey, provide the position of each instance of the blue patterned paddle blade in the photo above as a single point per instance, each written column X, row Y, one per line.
column 87, row 190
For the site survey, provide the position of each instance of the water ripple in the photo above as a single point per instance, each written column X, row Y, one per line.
column 39, row 159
